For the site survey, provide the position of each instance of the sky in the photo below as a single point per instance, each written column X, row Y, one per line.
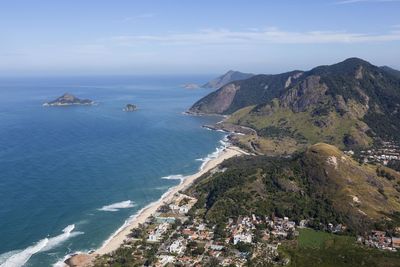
column 135, row 37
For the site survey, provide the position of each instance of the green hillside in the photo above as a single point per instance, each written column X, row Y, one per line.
column 321, row 184
column 315, row 248
column 349, row 104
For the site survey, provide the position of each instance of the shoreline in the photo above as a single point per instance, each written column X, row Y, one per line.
column 118, row 238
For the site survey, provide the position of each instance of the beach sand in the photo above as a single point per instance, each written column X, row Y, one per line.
column 118, row 239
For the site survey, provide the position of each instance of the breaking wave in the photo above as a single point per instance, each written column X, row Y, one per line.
column 18, row 258
column 173, row 177
column 119, row 205
column 224, row 144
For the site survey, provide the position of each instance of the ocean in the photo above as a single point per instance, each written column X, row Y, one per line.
column 71, row 176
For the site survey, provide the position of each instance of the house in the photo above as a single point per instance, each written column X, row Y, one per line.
column 153, row 237
column 396, row 242
column 191, row 234
column 378, row 235
column 201, row 227
column 216, row 247
column 177, row 247
column 174, row 207
column 278, row 233
column 157, row 233
column 245, row 238
column 165, row 259
column 184, row 209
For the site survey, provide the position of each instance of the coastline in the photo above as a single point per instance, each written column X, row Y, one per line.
column 116, row 240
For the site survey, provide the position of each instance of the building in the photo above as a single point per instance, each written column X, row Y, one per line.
column 157, row 233
column 184, row 209
column 165, row 259
column 160, row 219
column 245, row 238
column 153, row 237
column 395, row 242
column 177, row 247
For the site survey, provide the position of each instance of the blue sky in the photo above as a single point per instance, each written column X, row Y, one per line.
column 180, row 37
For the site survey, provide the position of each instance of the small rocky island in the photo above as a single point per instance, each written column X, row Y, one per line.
column 69, row 100
column 130, row 108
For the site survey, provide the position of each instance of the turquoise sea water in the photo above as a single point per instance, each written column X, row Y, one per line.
column 71, row 176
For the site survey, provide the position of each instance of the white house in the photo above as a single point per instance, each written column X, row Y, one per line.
column 165, row 259
column 153, row 237
column 184, row 209
column 245, row 238
column 177, row 247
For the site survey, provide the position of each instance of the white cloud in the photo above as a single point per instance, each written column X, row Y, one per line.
column 254, row 37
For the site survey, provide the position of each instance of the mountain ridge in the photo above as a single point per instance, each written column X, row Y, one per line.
column 348, row 104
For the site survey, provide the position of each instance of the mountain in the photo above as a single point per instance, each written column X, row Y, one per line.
column 348, row 104
column 238, row 94
column 322, row 185
column 68, row 100
column 228, row 77
column 392, row 71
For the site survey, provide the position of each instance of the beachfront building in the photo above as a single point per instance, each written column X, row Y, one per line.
column 184, row 209
column 157, row 234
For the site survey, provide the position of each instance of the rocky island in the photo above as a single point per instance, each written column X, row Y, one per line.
column 68, row 100
column 130, row 108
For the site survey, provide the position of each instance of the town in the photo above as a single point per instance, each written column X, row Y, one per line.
column 176, row 236
column 380, row 240
column 384, row 153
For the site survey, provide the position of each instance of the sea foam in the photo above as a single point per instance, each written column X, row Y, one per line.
column 119, row 205
column 61, row 262
column 224, row 143
column 173, row 177
column 20, row 257
column 134, row 216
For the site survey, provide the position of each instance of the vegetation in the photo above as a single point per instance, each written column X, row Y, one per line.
column 320, row 184
column 315, row 248
column 346, row 104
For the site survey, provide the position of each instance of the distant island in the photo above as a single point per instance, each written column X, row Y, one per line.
column 190, row 86
column 69, row 100
column 226, row 78
column 130, row 108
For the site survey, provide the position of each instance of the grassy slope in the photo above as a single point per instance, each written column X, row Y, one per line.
column 347, row 179
column 299, row 128
column 327, row 250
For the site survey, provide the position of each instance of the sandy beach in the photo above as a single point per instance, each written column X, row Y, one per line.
column 117, row 240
